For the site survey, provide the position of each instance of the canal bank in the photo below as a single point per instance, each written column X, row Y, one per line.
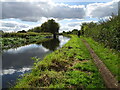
column 17, row 61
column 68, row 67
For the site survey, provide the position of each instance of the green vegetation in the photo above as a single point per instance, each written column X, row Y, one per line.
column 108, row 56
column 23, row 35
column 50, row 26
column 107, row 32
column 72, row 65
column 68, row 67
column 13, row 40
column 74, row 31
column 36, row 35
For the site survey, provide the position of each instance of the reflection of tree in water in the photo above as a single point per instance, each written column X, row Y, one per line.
column 51, row 44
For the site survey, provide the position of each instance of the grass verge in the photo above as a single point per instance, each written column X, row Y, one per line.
column 110, row 57
column 68, row 67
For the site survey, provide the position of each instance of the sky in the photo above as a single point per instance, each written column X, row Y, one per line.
column 16, row 15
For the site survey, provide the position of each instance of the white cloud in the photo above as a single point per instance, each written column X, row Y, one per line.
column 70, row 26
column 9, row 26
column 57, row 0
column 74, row 25
column 42, row 10
column 34, row 11
column 25, row 0
column 99, row 10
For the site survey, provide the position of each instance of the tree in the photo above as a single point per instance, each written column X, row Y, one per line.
column 44, row 27
column 50, row 26
column 63, row 32
column 23, row 31
column 74, row 31
column 37, row 29
column 79, row 33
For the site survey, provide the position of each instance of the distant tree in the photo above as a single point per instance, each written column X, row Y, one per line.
column 37, row 29
column 1, row 33
column 69, row 32
column 74, row 31
column 50, row 26
column 83, row 28
column 23, row 31
column 79, row 33
column 31, row 30
column 63, row 31
column 53, row 27
column 44, row 27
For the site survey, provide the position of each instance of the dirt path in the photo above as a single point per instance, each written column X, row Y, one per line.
column 108, row 78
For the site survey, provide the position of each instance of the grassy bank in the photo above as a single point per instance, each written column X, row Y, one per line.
column 69, row 67
column 108, row 56
column 13, row 42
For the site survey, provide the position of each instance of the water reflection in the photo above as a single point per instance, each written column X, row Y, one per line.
column 11, row 71
column 51, row 44
column 21, row 57
column 16, row 62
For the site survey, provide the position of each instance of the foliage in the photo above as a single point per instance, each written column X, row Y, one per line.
column 50, row 26
column 64, row 69
column 74, row 31
column 108, row 56
column 13, row 42
column 23, row 31
column 19, row 34
column 107, row 32
column 35, row 29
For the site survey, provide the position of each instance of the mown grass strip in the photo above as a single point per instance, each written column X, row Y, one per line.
column 109, row 79
column 110, row 57
column 69, row 67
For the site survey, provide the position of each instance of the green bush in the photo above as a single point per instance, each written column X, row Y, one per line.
column 107, row 32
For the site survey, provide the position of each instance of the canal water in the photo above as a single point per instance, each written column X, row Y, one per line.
column 16, row 62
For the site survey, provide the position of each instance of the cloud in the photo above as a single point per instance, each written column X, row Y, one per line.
column 25, row 0
column 70, row 26
column 99, row 10
column 33, row 11
column 12, row 26
column 42, row 10
column 74, row 24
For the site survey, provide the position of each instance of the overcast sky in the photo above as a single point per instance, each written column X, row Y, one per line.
column 70, row 14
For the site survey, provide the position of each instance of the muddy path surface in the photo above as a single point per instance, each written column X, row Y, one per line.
column 107, row 76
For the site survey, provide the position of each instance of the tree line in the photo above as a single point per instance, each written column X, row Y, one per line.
column 106, row 31
column 47, row 28
column 50, row 26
